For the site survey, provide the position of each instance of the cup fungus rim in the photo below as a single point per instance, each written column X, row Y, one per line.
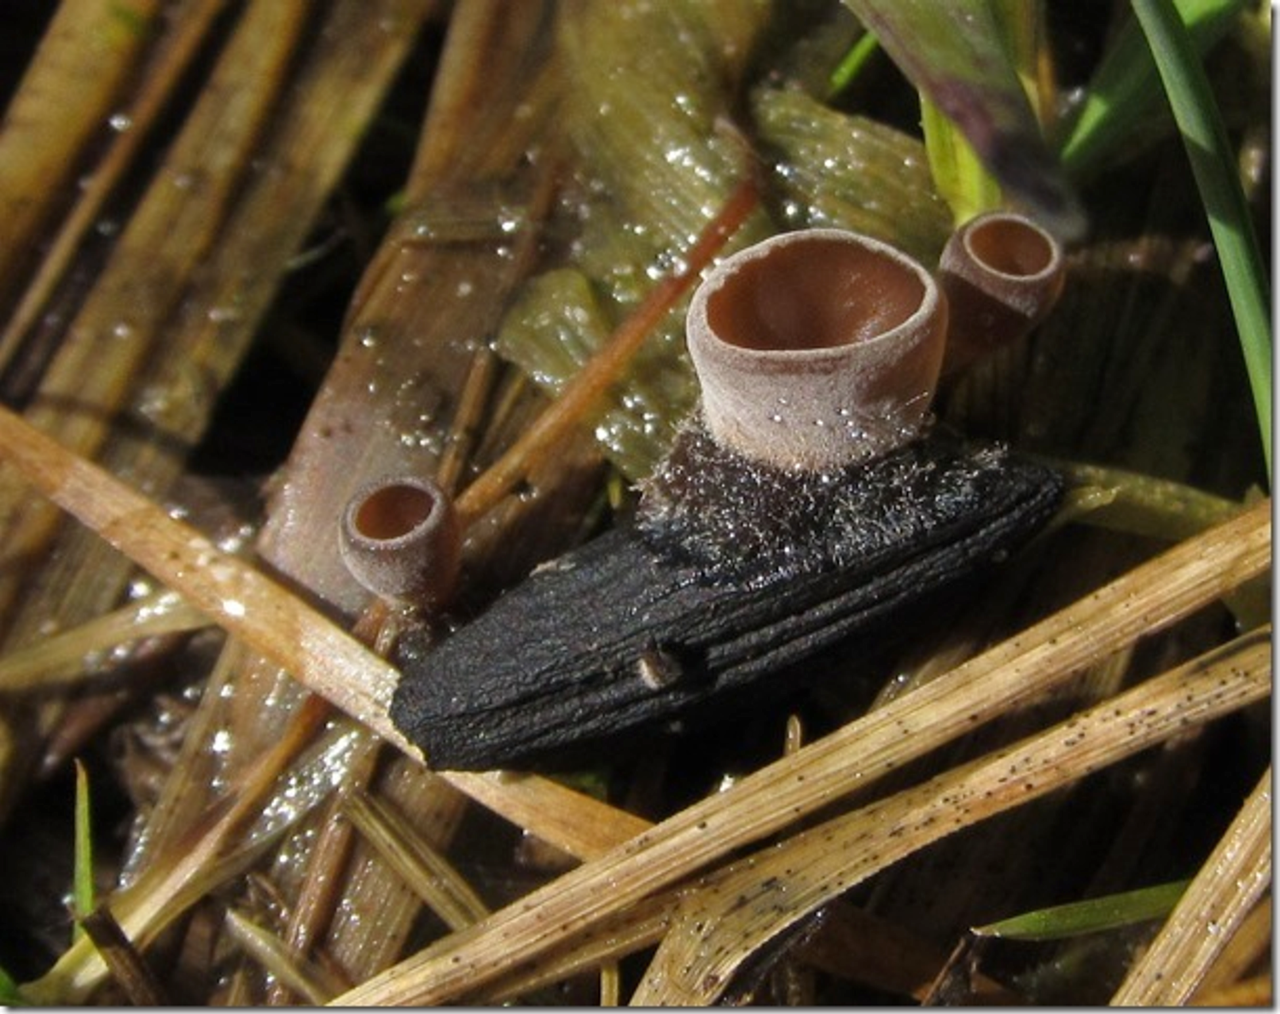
column 1052, row 261
column 432, row 519
column 698, row 319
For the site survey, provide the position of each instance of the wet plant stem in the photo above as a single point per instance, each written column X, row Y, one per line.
column 1213, row 163
column 586, row 388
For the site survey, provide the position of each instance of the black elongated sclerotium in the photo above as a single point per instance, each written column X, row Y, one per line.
column 731, row 572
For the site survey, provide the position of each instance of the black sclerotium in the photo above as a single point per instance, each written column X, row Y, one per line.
column 731, row 573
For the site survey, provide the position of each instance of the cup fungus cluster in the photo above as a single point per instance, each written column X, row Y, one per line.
column 808, row 503
column 820, row 348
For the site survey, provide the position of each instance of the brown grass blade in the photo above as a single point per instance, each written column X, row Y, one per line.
column 278, row 624
column 431, row 876
column 136, row 122
column 228, row 590
column 126, row 965
column 259, row 205
column 1206, row 917
column 62, row 657
column 1247, row 950
column 307, row 980
column 88, row 52
column 724, row 919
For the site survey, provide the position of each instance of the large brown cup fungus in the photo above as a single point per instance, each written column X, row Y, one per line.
column 816, row 349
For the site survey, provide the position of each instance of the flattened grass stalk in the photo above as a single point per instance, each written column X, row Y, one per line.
column 1209, row 913
column 1213, row 163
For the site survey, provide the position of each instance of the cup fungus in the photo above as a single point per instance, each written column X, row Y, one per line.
column 816, row 349
column 1002, row 274
column 400, row 538
column 809, row 507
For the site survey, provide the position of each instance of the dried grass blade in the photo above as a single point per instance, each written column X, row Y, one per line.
column 624, row 932
column 579, row 824
column 492, row 45
column 284, row 628
column 87, row 53
column 733, row 912
column 204, row 861
column 1247, row 950
column 188, row 33
column 143, row 910
column 1147, row 598
column 126, row 965
column 428, row 873
column 173, row 227
column 62, row 656
column 307, row 980
column 1220, row 897
column 1254, row 992
column 128, row 352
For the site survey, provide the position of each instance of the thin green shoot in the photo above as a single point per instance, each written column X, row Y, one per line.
column 1213, row 163
column 82, row 892
column 1092, row 916
column 852, row 64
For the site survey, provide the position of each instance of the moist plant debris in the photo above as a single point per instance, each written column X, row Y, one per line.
column 681, row 728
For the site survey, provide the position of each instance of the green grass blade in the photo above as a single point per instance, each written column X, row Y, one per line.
column 82, row 893
column 1126, row 87
column 10, row 995
column 1213, row 163
column 958, row 173
column 851, row 66
column 1092, row 916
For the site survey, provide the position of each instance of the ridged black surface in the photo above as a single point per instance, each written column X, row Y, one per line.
column 728, row 578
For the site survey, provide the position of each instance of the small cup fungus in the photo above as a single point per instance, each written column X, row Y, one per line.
column 1002, row 274
column 400, row 538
